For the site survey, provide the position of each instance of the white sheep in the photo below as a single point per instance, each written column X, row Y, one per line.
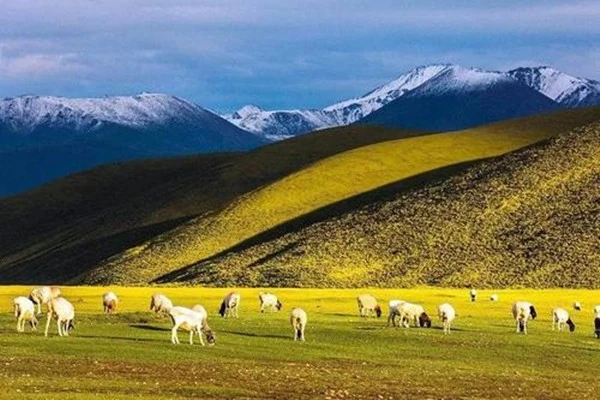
column 269, row 300
column 42, row 295
column 230, row 305
column 446, row 313
column 393, row 311
column 597, row 310
column 298, row 320
column 160, row 303
column 192, row 321
column 494, row 297
column 522, row 311
column 24, row 312
column 473, row 294
column 368, row 304
column 110, row 301
column 577, row 306
column 560, row 318
column 415, row 313
column 64, row 312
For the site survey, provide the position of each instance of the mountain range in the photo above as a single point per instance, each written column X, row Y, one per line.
column 419, row 86
column 43, row 138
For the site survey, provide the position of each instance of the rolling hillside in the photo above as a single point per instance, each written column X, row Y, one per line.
column 63, row 229
column 285, row 202
column 530, row 218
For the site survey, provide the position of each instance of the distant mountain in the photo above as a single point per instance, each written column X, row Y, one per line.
column 43, row 138
column 458, row 98
column 279, row 125
column 565, row 89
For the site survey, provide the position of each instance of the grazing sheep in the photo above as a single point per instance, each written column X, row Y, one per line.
column 521, row 312
column 110, row 302
column 446, row 313
column 192, row 321
column 160, row 303
column 414, row 312
column 597, row 321
column 24, row 312
column 393, row 307
column 42, row 295
column 494, row 297
column 298, row 320
column 473, row 294
column 64, row 312
column 230, row 304
column 577, row 306
column 560, row 317
column 367, row 304
column 269, row 300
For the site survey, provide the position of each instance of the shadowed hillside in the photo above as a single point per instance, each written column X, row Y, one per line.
column 58, row 231
column 531, row 218
column 331, row 180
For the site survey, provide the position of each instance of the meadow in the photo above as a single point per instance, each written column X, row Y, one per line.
column 129, row 355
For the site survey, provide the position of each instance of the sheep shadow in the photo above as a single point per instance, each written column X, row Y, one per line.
column 249, row 334
column 149, row 327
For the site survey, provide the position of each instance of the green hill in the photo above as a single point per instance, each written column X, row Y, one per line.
column 56, row 232
column 174, row 255
column 530, row 218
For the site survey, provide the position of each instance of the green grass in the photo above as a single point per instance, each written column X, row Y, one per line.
column 67, row 227
column 328, row 181
column 344, row 356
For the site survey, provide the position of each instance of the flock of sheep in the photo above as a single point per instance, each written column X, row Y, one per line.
column 194, row 320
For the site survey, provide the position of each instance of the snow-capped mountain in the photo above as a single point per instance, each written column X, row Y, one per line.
column 458, row 98
column 53, row 136
column 278, row 125
column 565, row 89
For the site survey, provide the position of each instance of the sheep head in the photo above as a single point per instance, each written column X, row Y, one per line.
column 378, row 311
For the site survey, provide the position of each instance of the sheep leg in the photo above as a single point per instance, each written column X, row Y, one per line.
column 200, row 336
column 60, row 333
column 174, row 338
column 192, row 336
column 19, row 324
column 302, row 332
column 66, row 327
column 48, row 324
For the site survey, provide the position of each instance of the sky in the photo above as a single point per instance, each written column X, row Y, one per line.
column 278, row 54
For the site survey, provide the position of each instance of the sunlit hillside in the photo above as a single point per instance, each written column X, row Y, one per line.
column 531, row 218
column 332, row 257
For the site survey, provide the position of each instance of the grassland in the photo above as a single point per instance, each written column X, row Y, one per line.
column 129, row 355
column 529, row 219
column 328, row 181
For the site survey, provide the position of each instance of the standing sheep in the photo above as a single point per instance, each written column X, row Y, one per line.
column 42, row 295
column 269, row 300
column 367, row 304
column 393, row 311
column 24, row 312
column 192, row 321
column 415, row 313
column 473, row 294
column 298, row 320
column 560, row 317
column 160, row 303
column 446, row 313
column 521, row 312
column 64, row 312
column 230, row 305
column 110, row 301
column 577, row 306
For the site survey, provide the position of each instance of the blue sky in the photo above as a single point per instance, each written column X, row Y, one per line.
column 277, row 54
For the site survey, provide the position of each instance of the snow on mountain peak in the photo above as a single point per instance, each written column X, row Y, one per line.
column 25, row 113
column 563, row 88
column 246, row 111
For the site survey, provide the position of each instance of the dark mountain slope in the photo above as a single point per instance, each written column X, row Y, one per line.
column 531, row 218
column 459, row 98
